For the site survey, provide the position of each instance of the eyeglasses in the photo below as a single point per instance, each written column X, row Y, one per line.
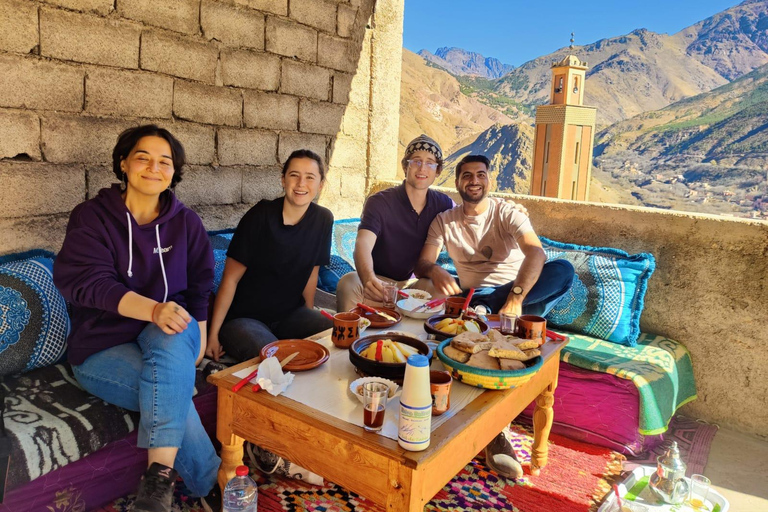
column 418, row 164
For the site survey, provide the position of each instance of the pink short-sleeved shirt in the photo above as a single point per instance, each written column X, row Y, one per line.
column 484, row 247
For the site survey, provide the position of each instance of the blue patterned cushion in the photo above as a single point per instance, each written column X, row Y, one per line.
column 219, row 243
column 34, row 323
column 608, row 290
column 329, row 275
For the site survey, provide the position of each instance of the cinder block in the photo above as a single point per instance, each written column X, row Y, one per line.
column 275, row 111
column 25, row 233
column 199, row 140
column 288, row 38
column 18, row 26
column 247, row 147
column 69, row 139
column 320, row 117
column 320, row 14
column 305, row 80
column 290, row 142
column 19, row 134
column 274, row 6
column 342, row 85
column 128, row 93
column 222, row 216
column 349, row 152
column 85, row 38
column 179, row 57
column 97, row 6
column 345, row 20
column 243, row 68
column 98, row 177
column 28, row 82
column 353, row 184
column 40, row 189
column 261, row 183
column 178, row 15
column 207, row 103
column 234, row 26
column 337, row 53
column 210, row 185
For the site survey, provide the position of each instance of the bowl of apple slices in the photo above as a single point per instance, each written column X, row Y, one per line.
column 444, row 326
column 384, row 355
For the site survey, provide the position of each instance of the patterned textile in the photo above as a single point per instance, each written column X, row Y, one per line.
column 219, row 243
column 575, row 480
column 661, row 369
column 606, row 298
column 34, row 323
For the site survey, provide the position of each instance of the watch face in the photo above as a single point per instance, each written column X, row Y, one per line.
column 517, row 290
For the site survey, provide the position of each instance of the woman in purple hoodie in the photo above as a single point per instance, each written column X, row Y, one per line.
column 137, row 268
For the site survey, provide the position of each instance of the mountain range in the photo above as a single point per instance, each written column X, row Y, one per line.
column 683, row 118
column 458, row 61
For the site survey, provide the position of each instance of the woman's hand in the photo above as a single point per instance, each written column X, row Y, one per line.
column 170, row 317
column 214, row 350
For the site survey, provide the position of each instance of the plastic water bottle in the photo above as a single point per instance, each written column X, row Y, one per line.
column 415, row 420
column 241, row 492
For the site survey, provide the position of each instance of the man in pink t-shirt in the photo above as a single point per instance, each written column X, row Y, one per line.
column 495, row 250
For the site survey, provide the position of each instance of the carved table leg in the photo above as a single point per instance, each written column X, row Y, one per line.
column 231, row 445
column 542, row 424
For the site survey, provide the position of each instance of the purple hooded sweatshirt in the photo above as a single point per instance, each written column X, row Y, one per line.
column 106, row 254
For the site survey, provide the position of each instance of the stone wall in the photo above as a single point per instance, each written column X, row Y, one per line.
column 241, row 83
column 709, row 291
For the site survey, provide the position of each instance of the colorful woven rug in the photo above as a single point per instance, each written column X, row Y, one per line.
column 577, row 477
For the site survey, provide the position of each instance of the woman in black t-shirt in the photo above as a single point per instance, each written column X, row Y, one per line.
column 270, row 276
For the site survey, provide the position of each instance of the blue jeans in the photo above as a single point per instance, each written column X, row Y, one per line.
column 156, row 377
column 243, row 338
column 555, row 280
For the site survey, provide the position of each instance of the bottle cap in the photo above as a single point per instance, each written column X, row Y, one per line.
column 241, row 471
column 418, row 360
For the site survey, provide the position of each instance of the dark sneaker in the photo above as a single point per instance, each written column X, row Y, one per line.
column 501, row 458
column 212, row 502
column 156, row 489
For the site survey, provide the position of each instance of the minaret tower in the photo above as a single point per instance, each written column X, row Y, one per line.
column 565, row 135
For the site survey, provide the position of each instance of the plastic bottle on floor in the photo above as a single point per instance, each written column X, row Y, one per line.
column 241, row 493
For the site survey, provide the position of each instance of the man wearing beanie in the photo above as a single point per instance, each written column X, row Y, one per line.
column 393, row 227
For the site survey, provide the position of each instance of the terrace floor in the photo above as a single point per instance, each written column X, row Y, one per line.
column 738, row 469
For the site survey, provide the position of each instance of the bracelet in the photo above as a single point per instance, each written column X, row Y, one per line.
column 153, row 311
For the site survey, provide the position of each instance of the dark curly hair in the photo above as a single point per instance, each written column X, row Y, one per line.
column 127, row 140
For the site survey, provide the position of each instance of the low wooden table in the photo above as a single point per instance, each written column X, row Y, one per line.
column 369, row 464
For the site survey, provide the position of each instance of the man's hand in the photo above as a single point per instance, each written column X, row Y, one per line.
column 214, row 350
column 443, row 281
column 513, row 306
column 522, row 209
column 373, row 289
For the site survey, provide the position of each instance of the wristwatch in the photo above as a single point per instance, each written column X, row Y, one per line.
column 517, row 290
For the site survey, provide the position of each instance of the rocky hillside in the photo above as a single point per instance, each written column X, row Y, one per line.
column 461, row 62
column 431, row 102
column 510, row 149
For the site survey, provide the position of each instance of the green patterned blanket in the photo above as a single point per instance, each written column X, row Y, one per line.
column 660, row 368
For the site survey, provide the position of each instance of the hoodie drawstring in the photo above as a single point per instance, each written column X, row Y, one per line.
column 162, row 265
column 130, row 245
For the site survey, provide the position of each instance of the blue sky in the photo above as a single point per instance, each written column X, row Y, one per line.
column 515, row 31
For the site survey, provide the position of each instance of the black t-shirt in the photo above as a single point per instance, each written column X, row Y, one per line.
column 279, row 258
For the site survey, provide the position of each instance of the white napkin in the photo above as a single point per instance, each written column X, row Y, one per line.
column 271, row 377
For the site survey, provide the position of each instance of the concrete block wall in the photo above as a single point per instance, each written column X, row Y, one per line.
column 241, row 83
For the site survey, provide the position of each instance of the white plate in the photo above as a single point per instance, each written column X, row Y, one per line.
column 357, row 383
column 414, row 293
column 406, row 307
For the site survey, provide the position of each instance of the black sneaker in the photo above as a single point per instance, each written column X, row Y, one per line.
column 156, row 489
column 501, row 458
column 212, row 502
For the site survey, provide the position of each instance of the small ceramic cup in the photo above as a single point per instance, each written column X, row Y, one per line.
column 440, row 387
column 346, row 329
column 453, row 305
column 532, row 327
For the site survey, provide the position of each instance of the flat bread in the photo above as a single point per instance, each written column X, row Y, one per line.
column 530, row 354
column 511, row 364
column 483, row 360
column 524, row 344
column 455, row 354
column 470, row 342
column 506, row 349
column 494, row 336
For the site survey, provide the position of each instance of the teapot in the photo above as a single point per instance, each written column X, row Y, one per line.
column 668, row 482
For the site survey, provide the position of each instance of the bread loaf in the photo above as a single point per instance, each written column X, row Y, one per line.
column 455, row 354
column 483, row 360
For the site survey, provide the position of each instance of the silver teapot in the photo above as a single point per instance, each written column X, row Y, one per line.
column 668, row 482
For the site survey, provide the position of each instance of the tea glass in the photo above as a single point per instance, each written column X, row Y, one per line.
column 390, row 294
column 508, row 323
column 697, row 494
column 374, row 405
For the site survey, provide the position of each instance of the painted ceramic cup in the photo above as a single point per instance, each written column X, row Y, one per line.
column 453, row 305
column 532, row 327
column 346, row 329
column 440, row 387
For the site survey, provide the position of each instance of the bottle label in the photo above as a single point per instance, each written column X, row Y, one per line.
column 415, row 423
